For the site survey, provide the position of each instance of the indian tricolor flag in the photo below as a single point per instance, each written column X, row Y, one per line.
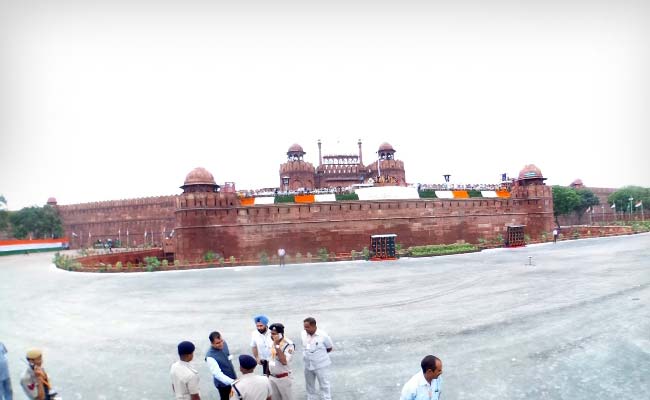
column 29, row 246
column 639, row 204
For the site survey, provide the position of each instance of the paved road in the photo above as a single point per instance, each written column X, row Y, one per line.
column 575, row 325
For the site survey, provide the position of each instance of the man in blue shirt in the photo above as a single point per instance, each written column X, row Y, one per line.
column 5, row 382
column 425, row 385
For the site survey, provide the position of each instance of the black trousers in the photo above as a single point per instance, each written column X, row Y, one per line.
column 224, row 392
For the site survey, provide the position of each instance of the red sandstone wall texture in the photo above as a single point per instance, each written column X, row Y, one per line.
column 110, row 219
column 245, row 232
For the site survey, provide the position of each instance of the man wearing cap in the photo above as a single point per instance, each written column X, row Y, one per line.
column 5, row 381
column 316, row 346
column 250, row 386
column 424, row 385
column 218, row 359
column 281, row 354
column 185, row 379
column 261, row 342
column 34, row 380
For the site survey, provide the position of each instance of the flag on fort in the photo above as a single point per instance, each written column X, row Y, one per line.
column 587, row 210
column 613, row 205
column 639, row 204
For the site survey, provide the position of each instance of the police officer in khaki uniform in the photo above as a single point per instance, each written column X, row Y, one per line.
column 185, row 378
column 250, row 386
column 281, row 354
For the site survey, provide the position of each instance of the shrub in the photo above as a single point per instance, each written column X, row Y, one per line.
column 575, row 235
column 353, row 255
column 323, row 254
column 440, row 249
column 152, row 263
column 177, row 263
column 264, row 258
column 221, row 262
column 544, row 237
column 165, row 263
column 62, row 261
column 526, row 238
column 210, row 256
column 232, row 260
column 118, row 265
column 129, row 265
column 366, row 253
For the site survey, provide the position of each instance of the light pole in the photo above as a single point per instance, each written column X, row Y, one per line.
column 631, row 204
column 602, row 207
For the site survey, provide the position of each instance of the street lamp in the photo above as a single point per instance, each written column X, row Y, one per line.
column 602, row 207
column 631, row 198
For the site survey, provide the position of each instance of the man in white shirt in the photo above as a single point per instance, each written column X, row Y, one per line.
column 316, row 346
column 185, row 379
column 425, row 385
column 261, row 342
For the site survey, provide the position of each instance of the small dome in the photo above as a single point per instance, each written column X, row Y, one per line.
column 199, row 176
column 296, row 148
column 386, row 147
column 577, row 182
column 51, row 201
column 530, row 171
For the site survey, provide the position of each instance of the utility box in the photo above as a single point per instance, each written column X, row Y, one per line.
column 515, row 236
column 382, row 247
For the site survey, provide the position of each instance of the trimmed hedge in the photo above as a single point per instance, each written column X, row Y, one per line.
column 440, row 249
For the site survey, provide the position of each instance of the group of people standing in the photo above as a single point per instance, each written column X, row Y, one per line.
column 271, row 350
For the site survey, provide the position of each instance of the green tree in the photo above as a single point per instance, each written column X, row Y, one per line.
column 587, row 199
column 40, row 222
column 4, row 214
column 622, row 196
column 565, row 201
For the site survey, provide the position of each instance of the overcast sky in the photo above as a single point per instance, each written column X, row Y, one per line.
column 103, row 100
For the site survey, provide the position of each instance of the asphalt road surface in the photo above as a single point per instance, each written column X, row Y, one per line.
column 573, row 325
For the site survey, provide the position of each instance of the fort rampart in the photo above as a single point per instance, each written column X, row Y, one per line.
column 207, row 221
column 88, row 222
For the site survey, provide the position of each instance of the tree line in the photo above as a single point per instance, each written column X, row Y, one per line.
column 568, row 200
column 30, row 222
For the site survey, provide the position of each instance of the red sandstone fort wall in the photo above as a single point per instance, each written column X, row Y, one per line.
column 245, row 232
column 110, row 219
